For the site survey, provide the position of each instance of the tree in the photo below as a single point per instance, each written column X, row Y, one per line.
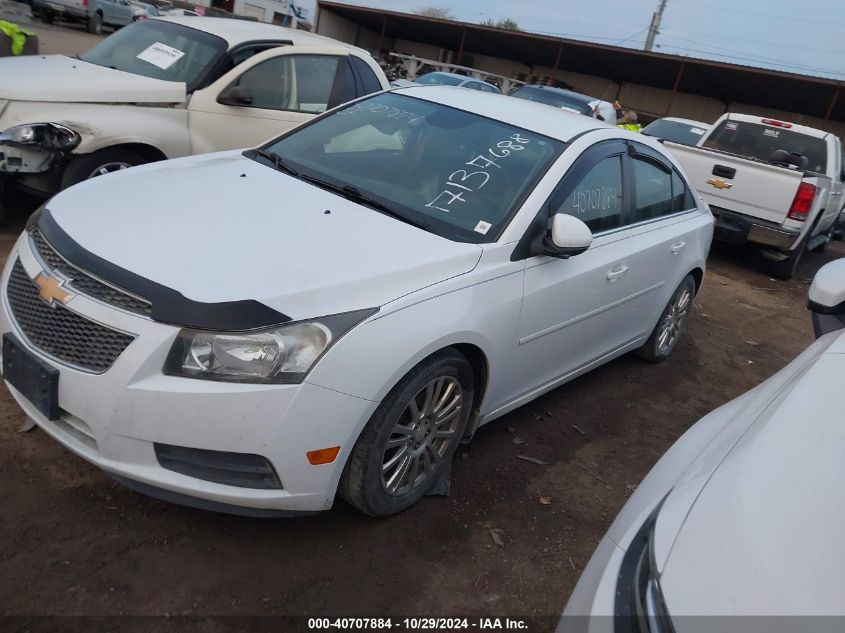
column 444, row 13
column 507, row 23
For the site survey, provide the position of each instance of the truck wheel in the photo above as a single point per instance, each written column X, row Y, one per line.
column 821, row 248
column 95, row 24
column 47, row 16
column 666, row 334
column 411, row 438
column 787, row 268
column 99, row 163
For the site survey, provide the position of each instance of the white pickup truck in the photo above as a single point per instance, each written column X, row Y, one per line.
column 773, row 183
column 165, row 88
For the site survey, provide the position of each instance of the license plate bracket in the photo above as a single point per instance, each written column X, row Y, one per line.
column 36, row 381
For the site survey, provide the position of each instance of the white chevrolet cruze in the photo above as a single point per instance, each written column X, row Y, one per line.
column 335, row 311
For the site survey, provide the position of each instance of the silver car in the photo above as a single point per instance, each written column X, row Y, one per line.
column 742, row 515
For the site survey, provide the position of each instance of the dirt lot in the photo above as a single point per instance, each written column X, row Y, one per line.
column 74, row 542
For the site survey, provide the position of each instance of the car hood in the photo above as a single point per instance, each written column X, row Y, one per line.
column 57, row 78
column 221, row 227
column 764, row 533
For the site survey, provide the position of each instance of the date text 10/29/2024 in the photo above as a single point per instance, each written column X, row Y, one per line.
column 417, row 624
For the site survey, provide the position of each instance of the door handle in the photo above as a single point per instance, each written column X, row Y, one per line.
column 615, row 273
column 677, row 247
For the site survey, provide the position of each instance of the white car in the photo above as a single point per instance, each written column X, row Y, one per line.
column 168, row 87
column 448, row 79
column 568, row 100
column 743, row 515
column 340, row 307
column 677, row 130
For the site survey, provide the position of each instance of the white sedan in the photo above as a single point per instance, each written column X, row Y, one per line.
column 336, row 310
column 743, row 515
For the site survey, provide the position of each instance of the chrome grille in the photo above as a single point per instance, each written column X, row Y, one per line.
column 60, row 333
column 83, row 282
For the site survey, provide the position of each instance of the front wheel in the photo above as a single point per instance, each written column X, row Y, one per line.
column 411, row 438
column 666, row 334
column 100, row 163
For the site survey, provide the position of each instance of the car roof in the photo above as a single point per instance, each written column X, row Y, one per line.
column 239, row 31
column 531, row 116
column 563, row 92
column 689, row 122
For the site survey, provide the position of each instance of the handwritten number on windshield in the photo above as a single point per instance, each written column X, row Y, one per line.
column 475, row 180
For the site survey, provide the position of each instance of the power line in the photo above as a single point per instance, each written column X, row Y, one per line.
column 745, row 39
column 733, row 10
column 743, row 55
column 746, row 59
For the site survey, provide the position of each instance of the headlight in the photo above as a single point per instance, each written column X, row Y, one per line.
column 640, row 607
column 282, row 354
column 46, row 135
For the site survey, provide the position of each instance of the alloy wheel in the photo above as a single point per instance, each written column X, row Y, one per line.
column 673, row 322
column 421, row 436
column 108, row 168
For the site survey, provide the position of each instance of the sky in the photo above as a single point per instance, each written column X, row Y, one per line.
column 805, row 36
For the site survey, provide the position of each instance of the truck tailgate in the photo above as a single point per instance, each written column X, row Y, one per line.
column 745, row 186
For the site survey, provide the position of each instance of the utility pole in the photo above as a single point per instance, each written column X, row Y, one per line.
column 654, row 27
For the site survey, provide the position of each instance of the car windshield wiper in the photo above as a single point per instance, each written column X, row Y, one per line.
column 278, row 162
column 352, row 193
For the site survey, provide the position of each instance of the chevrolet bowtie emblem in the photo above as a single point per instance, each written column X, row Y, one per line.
column 719, row 183
column 50, row 289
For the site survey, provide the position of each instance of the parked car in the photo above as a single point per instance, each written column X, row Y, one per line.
column 93, row 14
column 181, row 12
column 164, row 88
column 776, row 184
column 144, row 11
column 742, row 516
column 569, row 101
column 447, row 79
column 682, row 131
column 337, row 309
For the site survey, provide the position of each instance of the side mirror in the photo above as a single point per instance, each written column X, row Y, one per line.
column 235, row 96
column 827, row 298
column 567, row 237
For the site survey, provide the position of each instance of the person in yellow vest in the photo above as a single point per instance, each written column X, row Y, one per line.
column 17, row 37
column 626, row 119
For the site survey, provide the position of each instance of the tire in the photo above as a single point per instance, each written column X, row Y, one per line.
column 378, row 491
column 95, row 24
column 47, row 16
column 787, row 268
column 87, row 166
column 670, row 326
column 821, row 248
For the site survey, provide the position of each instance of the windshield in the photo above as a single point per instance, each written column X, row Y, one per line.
column 439, row 79
column 675, row 131
column 161, row 50
column 761, row 141
column 459, row 174
column 573, row 104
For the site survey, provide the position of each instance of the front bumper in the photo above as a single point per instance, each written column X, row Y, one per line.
column 737, row 228
column 113, row 419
